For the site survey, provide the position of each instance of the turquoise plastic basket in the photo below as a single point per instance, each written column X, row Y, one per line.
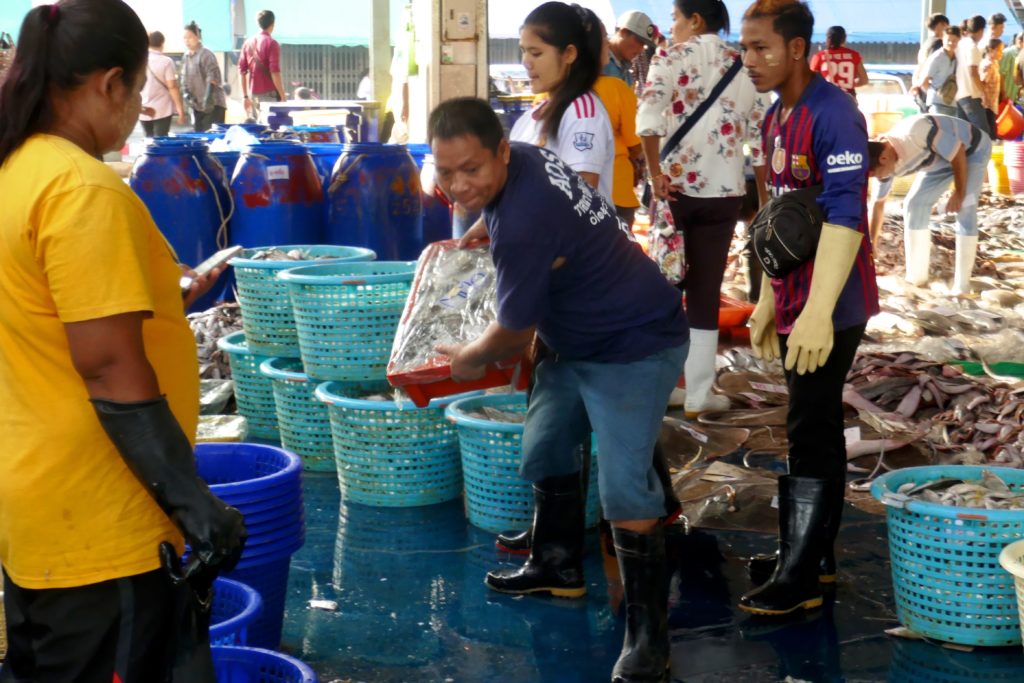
column 497, row 499
column 347, row 315
column 947, row 580
column 266, row 308
column 389, row 456
column 253, row 391
column 302, row 419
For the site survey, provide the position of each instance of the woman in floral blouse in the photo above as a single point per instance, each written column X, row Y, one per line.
column 702, row 178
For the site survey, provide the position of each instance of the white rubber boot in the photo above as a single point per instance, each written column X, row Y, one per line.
column 700, row 374
column 918, row 247
column 966, row 251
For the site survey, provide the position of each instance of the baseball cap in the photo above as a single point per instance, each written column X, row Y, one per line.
column 640, row 24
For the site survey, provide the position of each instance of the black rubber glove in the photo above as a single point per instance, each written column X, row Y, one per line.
column 157, row 451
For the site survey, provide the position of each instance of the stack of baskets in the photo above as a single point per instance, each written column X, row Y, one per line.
column 386, row 455
column 272, row 389
column 264, row 483
column 497, row 498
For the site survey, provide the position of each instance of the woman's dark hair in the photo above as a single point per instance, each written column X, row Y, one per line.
column 993, row 45
column 562, row 25
column 835, row 36
column 714, row 13
column 875, row 149
column 59, row 45
column 954, row 31
column 194, row 28
column 465, row 116
column 974, row 24
column 156, row 39
column 936, row 19
column 265, row 19
column 791, row 19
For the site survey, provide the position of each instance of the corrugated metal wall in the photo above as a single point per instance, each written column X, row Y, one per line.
column 332, row 72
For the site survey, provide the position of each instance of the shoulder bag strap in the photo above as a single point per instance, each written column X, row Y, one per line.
column 256, row 56
column 693, row 118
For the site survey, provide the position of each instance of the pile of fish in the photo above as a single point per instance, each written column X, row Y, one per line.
column 275, row 254
column 991, row 493
column 495, row 415
column 208, row 327
column 452, row 302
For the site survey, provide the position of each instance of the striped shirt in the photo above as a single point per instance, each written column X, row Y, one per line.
column 824, row 142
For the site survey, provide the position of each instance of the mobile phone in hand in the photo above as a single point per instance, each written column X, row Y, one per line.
column 221, row 257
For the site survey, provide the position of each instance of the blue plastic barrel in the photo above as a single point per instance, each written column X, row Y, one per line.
column 183, row 189
column 256, row 129
column 437, row 210
column 278, row 196
column 228, row 160
column 374, row 200
column 316, row 134
column 207, row 136
column 325, row 155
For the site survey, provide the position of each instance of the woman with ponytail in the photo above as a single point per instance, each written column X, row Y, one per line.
column 98, row 405
column 702, row 175
column 561, row 46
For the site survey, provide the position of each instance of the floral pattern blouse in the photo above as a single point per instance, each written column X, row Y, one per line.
column 708, row 162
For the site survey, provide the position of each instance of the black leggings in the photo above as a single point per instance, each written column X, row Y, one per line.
column 157, row 128
column 708, row 224
column 814, row 423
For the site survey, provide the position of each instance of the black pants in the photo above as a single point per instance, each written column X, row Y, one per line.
column 626, row 214
column 90, row 634
column 157, row 128
column 814, row 423
column 707, row 225
column 204, row 119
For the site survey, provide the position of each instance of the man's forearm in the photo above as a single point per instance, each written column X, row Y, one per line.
column 498, row 343
column 959, row 164
column 276, row 77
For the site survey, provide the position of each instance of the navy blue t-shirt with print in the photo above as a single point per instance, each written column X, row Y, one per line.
column 608, row 302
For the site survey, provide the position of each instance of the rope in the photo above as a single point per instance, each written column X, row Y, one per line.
column 222, row 231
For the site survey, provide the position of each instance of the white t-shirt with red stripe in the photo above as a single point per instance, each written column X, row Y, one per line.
column 584, row 142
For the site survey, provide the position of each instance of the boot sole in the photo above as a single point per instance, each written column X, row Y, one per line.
column 511, row 551
column 806, row 604
column 571, row 593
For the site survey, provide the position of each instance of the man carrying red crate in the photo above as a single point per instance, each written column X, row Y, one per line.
column 618, row 338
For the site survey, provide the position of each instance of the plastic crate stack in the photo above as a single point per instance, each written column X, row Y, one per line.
column 272, row 388
column 386, row 454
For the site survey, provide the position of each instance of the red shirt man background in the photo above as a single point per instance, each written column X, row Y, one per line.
column 259, row 67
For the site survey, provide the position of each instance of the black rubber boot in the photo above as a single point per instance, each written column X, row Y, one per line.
column 518, row 543
column 802, row 518
column 645, row 649
column 555, row 565
column 760, row 567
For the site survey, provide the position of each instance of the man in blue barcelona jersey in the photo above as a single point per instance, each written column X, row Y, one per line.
column 814, row 317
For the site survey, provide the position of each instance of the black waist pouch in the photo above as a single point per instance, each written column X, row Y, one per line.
column 786, row 231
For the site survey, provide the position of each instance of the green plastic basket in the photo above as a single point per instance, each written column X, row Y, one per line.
column 253, row 390
column 302, row 419
column 347, row 316
column 266, row 309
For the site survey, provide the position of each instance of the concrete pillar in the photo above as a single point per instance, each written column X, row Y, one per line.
column 380, row 51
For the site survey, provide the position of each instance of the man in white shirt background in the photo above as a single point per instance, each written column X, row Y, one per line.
column 971, row 100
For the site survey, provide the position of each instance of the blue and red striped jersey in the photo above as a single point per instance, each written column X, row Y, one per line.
column 824, row 142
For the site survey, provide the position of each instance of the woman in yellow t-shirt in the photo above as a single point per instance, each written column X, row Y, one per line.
column 98, row 377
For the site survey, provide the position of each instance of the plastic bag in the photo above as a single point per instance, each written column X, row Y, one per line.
column 214, row 395
column 665, row 244
column 452, row 301
column 222, row 429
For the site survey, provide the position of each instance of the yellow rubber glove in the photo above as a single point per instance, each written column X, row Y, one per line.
column 764, row 337
column 810, row 342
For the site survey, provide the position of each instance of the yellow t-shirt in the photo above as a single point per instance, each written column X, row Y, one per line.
column 620, row 101
column 76, row 244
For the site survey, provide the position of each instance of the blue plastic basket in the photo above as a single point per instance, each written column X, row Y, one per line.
column 270, row 579
column 347, row 315
column 266, row 309
column 497, row 499
column 235, row 469
column 255, row 665
column 947, row 580
column 302, row 419
column 253, row 391
column 391, row 457
column 235, row 606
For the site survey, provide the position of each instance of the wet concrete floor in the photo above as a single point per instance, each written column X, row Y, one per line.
column 412, row 607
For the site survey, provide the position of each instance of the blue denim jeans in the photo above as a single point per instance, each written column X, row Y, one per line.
column 970, row 110
column 623, row 404
column 928, row 187
column 945, row 109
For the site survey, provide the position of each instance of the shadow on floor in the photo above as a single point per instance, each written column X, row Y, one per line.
column 412, row 608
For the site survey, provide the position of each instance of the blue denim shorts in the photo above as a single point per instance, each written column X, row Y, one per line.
column 623, row 404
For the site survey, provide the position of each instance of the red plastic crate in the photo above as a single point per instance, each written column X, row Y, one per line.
column 422, row 390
